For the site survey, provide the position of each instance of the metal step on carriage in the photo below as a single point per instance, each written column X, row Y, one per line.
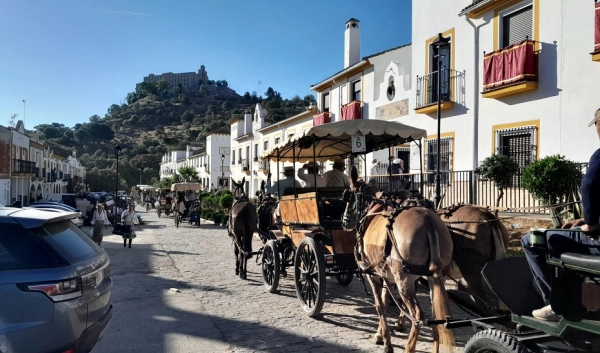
column 186, row 211
column 308, row 234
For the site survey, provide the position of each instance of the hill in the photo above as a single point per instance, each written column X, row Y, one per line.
column 156, row 119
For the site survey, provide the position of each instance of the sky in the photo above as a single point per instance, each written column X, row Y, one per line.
column 71, row 59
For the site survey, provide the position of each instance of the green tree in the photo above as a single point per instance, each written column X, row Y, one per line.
column 227, row 105
column 82, row 136
column 187, row 116
column 500, row 169
column 162, row 85
column 203, row 91
column 114, row 109
column 189, row 174
column 551, row 179
column 95, row 118
column 52, row 132
column 309, row 98
column 184, row 99
column 100, row 132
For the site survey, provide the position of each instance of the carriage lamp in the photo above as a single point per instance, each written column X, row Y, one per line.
column 222, row 170
column 440, row 43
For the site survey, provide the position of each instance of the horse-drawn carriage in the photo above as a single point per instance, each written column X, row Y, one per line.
column 186, row 210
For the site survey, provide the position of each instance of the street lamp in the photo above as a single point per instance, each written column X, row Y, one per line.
column 222, row 170
column 117, row 150
column 440, row 43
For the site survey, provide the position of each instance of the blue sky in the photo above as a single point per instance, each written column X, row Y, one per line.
column 70, row 59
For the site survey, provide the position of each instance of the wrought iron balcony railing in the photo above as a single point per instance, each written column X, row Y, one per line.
column 452, row 87
column 24, row 167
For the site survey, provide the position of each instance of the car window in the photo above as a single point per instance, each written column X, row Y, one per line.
column 68, row 240
column 20, row 250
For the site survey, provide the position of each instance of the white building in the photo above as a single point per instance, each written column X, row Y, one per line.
column 172, row 160
column 217, row 158
column 539, row 105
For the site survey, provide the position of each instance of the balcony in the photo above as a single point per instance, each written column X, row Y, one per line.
column 321, row 119
column 452, row 91
column 352, row 111
column 510, row 70
column 264, row 166
column 20, row 166
column 245, row 166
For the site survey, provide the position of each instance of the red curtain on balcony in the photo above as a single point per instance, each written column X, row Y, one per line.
column 511, row 64
column 321, row 119
column 597, row 28
column 351, row 111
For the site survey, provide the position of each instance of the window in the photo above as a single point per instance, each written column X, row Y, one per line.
column 520, row 145
column 265, row 145
column 290, row 136
column 445, row 160
column 255, row 152
column 326, row 102
column 240, row 156
column 356, row 90
column 233, row 157
column 247, row 152
column 277, row 139
column 517, row 25
column 445, row 57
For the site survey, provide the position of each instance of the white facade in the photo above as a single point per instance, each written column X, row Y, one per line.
column 217, row 145
column 550, row 114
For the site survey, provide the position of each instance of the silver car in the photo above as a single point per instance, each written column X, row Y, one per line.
column 55, row 285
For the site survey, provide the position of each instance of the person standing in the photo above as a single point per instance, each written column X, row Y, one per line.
column 129, row 219
column 336, row 178
column 99, row 221
column 374, row 168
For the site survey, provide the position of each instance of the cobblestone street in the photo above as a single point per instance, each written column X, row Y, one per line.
column 175, row 291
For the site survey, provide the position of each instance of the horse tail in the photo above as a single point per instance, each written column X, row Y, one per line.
column 435, row 263
column 441, row 310
column 498, row 238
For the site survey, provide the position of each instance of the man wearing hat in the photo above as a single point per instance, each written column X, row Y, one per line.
column 585, row 242
column 336, row 177
column 307, row 175
column 287, row 182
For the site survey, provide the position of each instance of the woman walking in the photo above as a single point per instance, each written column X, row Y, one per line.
column 99, row 221
column 129, row 218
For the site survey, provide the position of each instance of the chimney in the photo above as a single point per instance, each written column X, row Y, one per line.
column 351, row 43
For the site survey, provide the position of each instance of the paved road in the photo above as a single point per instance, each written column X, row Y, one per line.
column 212, row 310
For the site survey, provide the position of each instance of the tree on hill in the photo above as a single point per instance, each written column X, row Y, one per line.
column 82, row 136
column 100, row 132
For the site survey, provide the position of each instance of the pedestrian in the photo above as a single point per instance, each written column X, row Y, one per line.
column 375, row 167
column 99, row 221
column 129, row 219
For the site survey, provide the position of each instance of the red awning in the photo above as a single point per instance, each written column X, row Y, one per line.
column 321, row 119
column 509, row 65
column 351, row 111
column 597, row 28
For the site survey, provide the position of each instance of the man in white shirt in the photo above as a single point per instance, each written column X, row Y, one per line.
column 307, row 175
column 336, row 177
column 287, row 182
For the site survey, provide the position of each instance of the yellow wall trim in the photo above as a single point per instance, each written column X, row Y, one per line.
column 449, row 33
column 518, row 124
column 432, row 108
column 510, row 90
column 451, row 135
column 499, row 6
column 595, row 56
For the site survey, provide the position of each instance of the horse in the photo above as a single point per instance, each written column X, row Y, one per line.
column 398, row 244
column 241, row 227
column 479, row 237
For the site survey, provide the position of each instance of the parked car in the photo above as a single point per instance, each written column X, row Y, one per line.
column 53, row 204
column 55, row 284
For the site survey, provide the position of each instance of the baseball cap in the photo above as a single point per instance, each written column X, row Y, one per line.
column 596, row 118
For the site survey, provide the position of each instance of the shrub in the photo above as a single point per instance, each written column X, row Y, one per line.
column 500, row 169
column 217, row 217
column 551, row 179
column 225, row 219
column 226, row 200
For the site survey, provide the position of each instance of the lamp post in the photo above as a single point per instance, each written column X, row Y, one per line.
column 440, row 43
column 117, row 150
column 222, row 170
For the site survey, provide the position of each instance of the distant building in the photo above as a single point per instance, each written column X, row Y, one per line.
column 186, row 79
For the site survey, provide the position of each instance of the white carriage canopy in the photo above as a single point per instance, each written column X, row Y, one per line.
column 334, row 140
column 186, row 186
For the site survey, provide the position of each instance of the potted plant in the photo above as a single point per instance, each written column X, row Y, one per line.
column 552, row 180
column 500, row 169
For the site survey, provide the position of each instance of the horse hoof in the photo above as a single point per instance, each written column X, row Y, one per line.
column 388, row 349
column 378, row 339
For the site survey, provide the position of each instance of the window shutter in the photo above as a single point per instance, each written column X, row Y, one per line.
column 518, row 26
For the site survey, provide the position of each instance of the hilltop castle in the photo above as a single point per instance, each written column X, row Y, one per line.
column 187, row 79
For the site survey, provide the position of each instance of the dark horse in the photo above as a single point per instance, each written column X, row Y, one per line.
column 241, row 227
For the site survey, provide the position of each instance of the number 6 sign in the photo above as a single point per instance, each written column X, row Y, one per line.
column 358, row 143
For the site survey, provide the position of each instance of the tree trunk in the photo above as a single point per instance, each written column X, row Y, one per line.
column 500, row 195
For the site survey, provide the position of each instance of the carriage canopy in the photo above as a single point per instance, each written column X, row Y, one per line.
column 334, row 140
column 186, row 186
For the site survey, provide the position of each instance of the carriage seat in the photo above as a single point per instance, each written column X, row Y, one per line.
column 581, row 263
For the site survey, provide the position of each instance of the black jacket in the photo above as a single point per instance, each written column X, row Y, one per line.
column 590, row 191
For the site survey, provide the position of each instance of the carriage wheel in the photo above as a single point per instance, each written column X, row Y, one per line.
column 494, row 341
column 309, row 276
column 344, row 278
column 270, row 266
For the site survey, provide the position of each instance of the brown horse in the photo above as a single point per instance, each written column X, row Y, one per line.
column 241, row 227
column 479, row 237
column 398, row 245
